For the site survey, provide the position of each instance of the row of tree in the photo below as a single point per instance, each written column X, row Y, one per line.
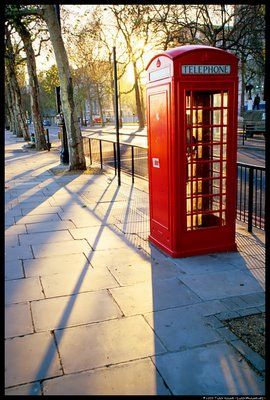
column 137, row 31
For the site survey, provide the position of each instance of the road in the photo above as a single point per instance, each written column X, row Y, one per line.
column 251, row 152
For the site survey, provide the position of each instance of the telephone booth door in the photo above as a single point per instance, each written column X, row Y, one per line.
column 206, row 126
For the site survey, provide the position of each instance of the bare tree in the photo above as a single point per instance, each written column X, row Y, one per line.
column 133, row 21
column 14, row 89
column 24, row 33
column 75, row 143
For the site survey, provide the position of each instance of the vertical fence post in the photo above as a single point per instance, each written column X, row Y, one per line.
column 250, row 198
column 132, row 163
column 90, row 152
column 114, row 158
column 116, row 116
column 100, row 153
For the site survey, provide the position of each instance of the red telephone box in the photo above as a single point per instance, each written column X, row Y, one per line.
column 192, row 139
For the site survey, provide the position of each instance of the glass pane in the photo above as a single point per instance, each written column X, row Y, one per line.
column 216, row 117
column 217, row 100
column 224, row 131
column 216, row 190
column 223, row 202
column 223, row 218
column 216, row 167
column 216, row 134
column 216, row 151
column 225, row 116
column 225, row 99
column 223, row 185
column 188, row 100
column 224, row 151
column 188, row 117
column 224, row 168
column 197, row 204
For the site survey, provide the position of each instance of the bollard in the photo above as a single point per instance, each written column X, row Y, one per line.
column 49, row 145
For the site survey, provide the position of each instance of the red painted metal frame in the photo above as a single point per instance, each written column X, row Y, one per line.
column 167, row 144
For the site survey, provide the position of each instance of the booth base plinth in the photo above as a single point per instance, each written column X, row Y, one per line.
column 194, row 252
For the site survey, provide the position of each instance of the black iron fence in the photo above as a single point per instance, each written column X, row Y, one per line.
column 251, row 195
column 250, row 178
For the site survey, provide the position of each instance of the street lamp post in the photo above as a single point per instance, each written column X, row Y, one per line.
column 64, row 155
column 116, row 117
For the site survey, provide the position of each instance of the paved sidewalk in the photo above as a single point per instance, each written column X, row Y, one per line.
column 92, row 308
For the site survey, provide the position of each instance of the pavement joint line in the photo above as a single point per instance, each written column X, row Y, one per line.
column 58, row 351
column 163, row 379
column 115, row 301
column 155, row 333
column 42, row 288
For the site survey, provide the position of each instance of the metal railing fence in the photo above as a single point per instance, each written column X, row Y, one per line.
column 250, row 178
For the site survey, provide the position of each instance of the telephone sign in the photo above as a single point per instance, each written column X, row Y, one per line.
column 206, row 69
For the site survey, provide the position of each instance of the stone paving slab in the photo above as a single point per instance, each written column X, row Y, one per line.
column 216, row 368
column 82, row 219
column 114, row 258
column 140, row 271
column 210, row 263
column 13, row 213
column 45, row 237
column 31, row 198
column 18, row 253
column 77, row 281
column 133, row 378
column 30, row 219
column 13, row 270
column 40, row 349
column 11, row 241
column 259, row 275
column 55, row 264
column 21, row 290
column 80, row 309
column 31, row 203
column 33, row 389
column 179, row 328
column 49, row 226
column 66, row 247
column 18, row 320
column 106, row 343
column 145, row 297
column 26, row 211
column 209, row 286
column 100, row 238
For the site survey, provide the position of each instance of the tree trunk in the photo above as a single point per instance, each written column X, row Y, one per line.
column 81, row 114
column 100, row 106
column 243, row 88
column 142, row 101
column 90, row 106
column 75, row 142
column 16, row 93
column 138, row 98
column 40, row 140
column 13, row 127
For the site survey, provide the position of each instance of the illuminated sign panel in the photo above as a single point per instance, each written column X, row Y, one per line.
column 159, row 74
column 206, row 69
